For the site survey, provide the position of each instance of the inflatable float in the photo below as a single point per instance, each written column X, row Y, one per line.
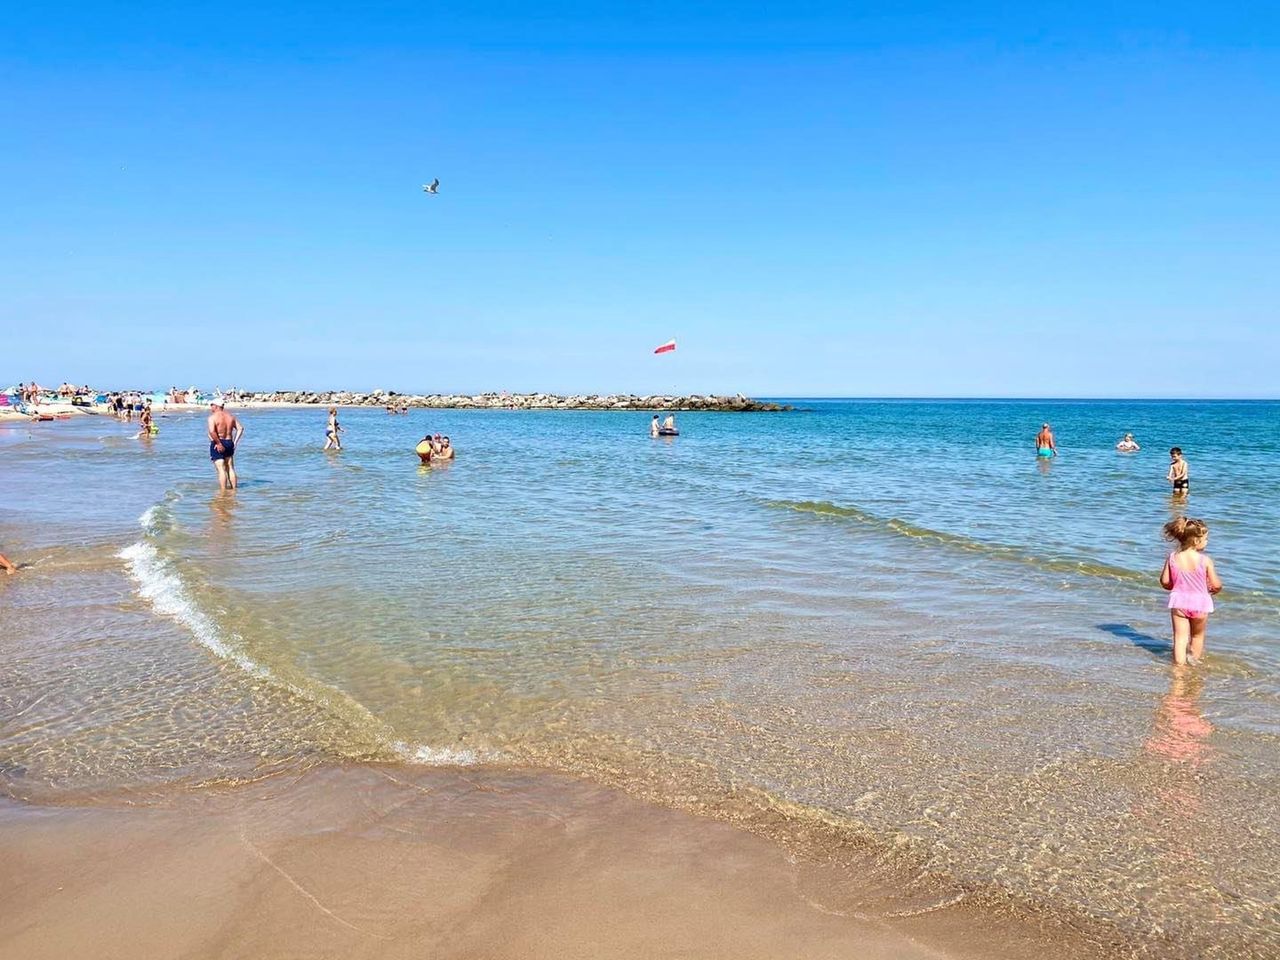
column 665, row 432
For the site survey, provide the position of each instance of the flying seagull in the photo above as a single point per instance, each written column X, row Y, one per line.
column 432, row 187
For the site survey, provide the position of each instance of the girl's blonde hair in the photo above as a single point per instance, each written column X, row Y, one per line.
column 1187, row 532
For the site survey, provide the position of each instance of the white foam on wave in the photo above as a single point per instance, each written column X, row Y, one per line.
column 148, row 519
column 438, row 756
column 160, row 586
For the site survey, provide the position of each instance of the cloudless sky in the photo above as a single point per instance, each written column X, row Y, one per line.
column 908, row 198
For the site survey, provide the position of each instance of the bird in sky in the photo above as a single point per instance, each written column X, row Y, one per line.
column 432, row 187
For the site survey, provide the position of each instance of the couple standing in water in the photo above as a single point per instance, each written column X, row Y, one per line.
column 1046, row 446
column 666, row 429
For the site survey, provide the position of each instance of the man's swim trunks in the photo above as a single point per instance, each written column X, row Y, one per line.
column 226, row 453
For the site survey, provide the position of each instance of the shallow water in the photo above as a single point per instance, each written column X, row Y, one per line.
column 880, row 624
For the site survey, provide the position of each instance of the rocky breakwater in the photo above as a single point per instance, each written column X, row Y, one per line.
column 520, row 401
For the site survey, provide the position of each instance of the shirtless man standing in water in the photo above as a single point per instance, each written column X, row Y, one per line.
column 1045, row 446
column 225, row 431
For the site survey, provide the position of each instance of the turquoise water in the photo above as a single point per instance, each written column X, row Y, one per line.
column 883, row 624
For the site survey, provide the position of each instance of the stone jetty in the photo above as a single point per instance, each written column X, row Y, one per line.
column 514, row 401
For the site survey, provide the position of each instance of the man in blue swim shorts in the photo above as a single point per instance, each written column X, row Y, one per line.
column 1045, row 445
column 225, row 432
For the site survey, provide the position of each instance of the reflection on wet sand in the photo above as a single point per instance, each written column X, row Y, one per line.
column 222, row 509
column 1179, row 740
column 1181, row 733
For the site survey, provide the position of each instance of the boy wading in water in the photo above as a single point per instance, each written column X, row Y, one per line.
column 1190, row 578
column 225, row 431
column 1179, row 473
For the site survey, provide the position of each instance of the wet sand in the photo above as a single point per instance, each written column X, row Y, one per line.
column 388, row 862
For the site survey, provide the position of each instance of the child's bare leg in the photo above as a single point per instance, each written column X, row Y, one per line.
column 1181, row 637
column 1196, row 650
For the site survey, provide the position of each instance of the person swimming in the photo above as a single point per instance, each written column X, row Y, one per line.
column 653, row 426
column 1128, row 444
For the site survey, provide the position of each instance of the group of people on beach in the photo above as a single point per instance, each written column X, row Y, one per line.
column 125, row 406
column 1188, row 573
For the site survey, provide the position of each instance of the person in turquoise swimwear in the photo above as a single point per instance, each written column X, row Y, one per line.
column 1045, row 447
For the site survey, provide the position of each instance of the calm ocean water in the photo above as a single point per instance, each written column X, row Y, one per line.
column 871, row 626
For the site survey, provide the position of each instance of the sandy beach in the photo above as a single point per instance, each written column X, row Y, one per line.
column 397, row 862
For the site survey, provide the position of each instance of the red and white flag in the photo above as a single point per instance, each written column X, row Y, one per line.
column 666, row 347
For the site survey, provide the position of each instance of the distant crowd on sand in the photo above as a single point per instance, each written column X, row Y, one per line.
column 1188, row 573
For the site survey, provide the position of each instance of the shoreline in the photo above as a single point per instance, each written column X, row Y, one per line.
column 482, row 401
column 365, row 860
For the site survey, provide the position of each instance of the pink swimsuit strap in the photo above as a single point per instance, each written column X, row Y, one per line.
column 1195, row 578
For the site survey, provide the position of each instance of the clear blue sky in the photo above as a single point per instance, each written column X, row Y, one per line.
column 974, row 199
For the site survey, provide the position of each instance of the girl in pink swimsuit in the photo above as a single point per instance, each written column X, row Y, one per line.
column 1191, row 580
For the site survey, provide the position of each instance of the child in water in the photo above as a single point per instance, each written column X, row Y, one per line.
column 1179, row 472
column 1190, row 578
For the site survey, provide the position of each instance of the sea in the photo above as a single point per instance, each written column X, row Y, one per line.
column 881, row 632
